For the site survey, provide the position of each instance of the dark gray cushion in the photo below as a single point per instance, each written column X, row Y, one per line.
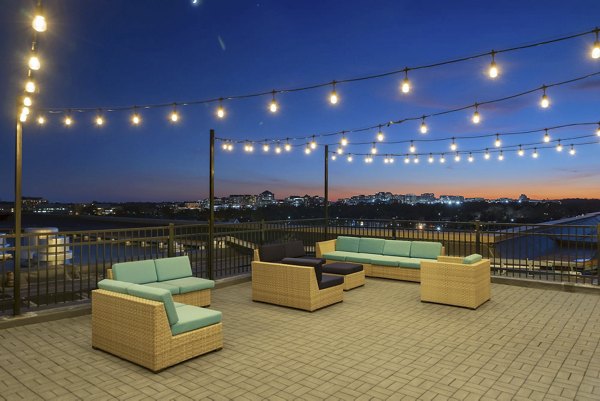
column 330, row 281
column 342, row 268
column 271, row 253
column 294, row 249
column 312, row 262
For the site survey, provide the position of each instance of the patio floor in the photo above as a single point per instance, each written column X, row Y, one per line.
column 380, row 343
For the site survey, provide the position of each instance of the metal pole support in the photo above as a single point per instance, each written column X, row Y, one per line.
column 326, row 193
column 171, row 245
column 18, row 204
column 211, row 218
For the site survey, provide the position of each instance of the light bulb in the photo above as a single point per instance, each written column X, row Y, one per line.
column 340, row 150
column 266, row 147
column 34, row 63
column 486, row 156
column 307, row 149
column 559, row 147
column 221, row 111
column 224, row 146
column 498, row 142
column 287, row 147
column 273, row 106
column 136, row 119
column 572, row 151
column 391, row 159
column 406, row 159
column 493, row 70
column 457, row 157
column 174, row 116
column 405, row 85
column 476, row 117
column 68, row 121
column 23, row 117
column 546, row 137
column 385, row 160
column 430, row 159
column 596, row 49
column 453, row 145
column 333, row 97
column 99, row 120
column 349, row 158
column 41, row 120
column 333, row 157
column 230, row 147
column 412, row 148
column 423, row 127
column 380, row 136
column 470, row 159
column 598, row 130
column 30, row 86
column 27, row 101
column 545, row 102
column 442, row 159
column 344, row 141
column 373, row 149
column 520, row 152
column 535, row 154
column 313, row 144
column 39, row 23
column 501, row 156
column 416, row 159
column 277, row 149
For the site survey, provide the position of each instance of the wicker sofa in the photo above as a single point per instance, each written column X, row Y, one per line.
column 144, row 325
column 456, row 281
column 400, row 260
column 295, row 283
column 173, row 274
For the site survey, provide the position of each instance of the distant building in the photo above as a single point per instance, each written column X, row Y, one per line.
column 452, row 199
column 30, row 203
column 266, row 198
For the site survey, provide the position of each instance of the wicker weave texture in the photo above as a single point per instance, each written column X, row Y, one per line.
column 455, row 283
column 137, row 330
column 290, row 285
column 352, row 280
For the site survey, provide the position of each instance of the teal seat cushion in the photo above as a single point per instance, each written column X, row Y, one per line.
column 347, row 244
column 172, row 288
column 189, row 284
column 384, row 260
column 425, row 249
column 156, row 294
column 178, row 304
column 396, row 248
column 194, row 317
column 410, row 263
column 114, row 285
column 139, row 272
column 338, row 255
column 359, row 258
column 474, row 258
column 371, row 245
column 171, row 268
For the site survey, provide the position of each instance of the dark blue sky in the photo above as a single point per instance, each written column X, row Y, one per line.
column 122, row 53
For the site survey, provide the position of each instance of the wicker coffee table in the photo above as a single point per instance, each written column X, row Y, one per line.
column 353, row 273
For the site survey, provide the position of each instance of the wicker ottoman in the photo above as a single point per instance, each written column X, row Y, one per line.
column 353, row 273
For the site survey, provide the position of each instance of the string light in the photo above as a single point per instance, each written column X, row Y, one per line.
column 385, row 160
column 307, row 149
column 559, row 146
column 248, row 147
column 313, row 143
column 34, row 63
column 230, row 147
column 368, row 159
column 340, row 150
column 423, row 126
column 545, row 101
column 265, row 147
column 380, row 136
column 273, row 105
column 486, row 155
column 99, row 120
column 470, row 158
column 412, row 148
column 405, row 83
column 27, row 101
column 457, row 157
column 520, row 152
column 373, row 149
column 224, row 146
column 498, row 142
column 501, row 156
column 442, row 159
column 391, row 159
column 416, row 159
column 41, row 120
column 430, row 158
column 30, row 86
column 453, row 145
column 598, row 130
column 535, row 153
column 136, row 119
column 476, row 117
column 406, row 159
column 349, row 158
column 25, row 110
column 278, row 149
column 546, row 136
column 39, row 22
column 493, row 71
column 333, row 97
column 333, row 157
column 572, row 150
column 221, row 109
column 174, row 116
column 596, row 48
column 68, row 121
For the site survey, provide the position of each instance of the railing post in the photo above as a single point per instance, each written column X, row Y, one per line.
column 171, row 244
column 18, row 204
column 394, row 234
column 211, row 218
column 598, row 253
column 262, row 232
column 478, row 237
column 326, row 192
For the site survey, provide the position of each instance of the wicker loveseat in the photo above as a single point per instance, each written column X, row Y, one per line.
column 295, row 283
column 400, row 260
column 143, row 325
column 456, row 281
column 173, row 274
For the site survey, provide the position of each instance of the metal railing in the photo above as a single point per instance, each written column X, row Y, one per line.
column 63, row 267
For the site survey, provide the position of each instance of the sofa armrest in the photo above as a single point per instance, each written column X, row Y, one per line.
column 324, row 247
column 256, row 255
column 450, row 259
column 280, row 275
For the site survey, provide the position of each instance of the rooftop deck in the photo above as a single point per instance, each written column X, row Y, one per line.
column 381, row 342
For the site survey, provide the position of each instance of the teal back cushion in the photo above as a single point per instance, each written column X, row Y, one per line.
column 474, row 258
column 114, row 285
column 172, row 268
column 425, row 250
column 156, row 294
column 140, row 272
column 396, row 248
column 371, row 245
column 347, row 244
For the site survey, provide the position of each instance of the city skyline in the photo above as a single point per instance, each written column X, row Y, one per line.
column 239, row 47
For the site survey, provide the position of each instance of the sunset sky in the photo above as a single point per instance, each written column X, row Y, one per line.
column 123, row 53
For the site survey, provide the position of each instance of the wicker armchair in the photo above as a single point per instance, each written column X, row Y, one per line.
column 449, row 281
column 291, row 285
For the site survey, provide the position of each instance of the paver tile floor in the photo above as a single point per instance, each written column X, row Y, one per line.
column 380, row 343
